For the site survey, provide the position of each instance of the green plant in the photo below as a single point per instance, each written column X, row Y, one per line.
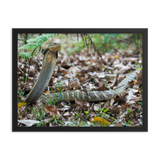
column 32, row 45
column 86, row 112
column 21, row 93
column 38, row 114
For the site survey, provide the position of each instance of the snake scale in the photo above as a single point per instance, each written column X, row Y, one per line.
column 49, row 61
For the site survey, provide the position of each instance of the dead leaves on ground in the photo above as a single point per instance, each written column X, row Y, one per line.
column 51, row 110
column 85, row 72
column 98, row 121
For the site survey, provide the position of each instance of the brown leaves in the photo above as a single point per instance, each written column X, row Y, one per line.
column 102, row 88
column 130, row 59
column 51, row 110
column 120, row 99
column 139, row 79
column 117, row 56
column 125, row 69
column 80, row 103
column 132, row 83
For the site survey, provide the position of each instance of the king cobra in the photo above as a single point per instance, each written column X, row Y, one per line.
column 49, row 61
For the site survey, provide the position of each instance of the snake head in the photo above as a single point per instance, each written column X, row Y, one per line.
column 53, row 47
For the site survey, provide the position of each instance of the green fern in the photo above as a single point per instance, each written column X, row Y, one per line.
column 40, row 39
column 33, row 45
column 24, row 54
column 29, row 46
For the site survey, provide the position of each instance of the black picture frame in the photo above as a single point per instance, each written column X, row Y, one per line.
column 143, row 31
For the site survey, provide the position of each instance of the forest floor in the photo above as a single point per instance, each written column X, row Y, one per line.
column 85, row 71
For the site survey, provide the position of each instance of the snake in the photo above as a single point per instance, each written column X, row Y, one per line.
column 48, row 65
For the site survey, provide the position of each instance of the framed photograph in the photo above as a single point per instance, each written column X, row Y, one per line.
column 80, row 79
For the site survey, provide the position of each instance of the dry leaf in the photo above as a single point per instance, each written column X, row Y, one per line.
column 59, row 105
column 120, row 98
column 73, row 70
column 120, row 65
column 46, row 92
column 21, row 104
column 115, row 82
column 132, row 83
column 115, row 110
column 96, row 107
column 64, row 72
column 102, row 88
column 125, row 69
column 98, row 121
column 117, row 56
column 139, row 79
column 67, row 114
column 51, row 110
column 116, row 125
column 79, row 102
column 137, row 99
column 28, row 123
column 130, row 59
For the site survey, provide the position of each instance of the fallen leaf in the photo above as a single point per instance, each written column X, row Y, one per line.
column 59, row 105
column 64, row 72
column 116, row 125
column 98, row 121
column 67, row 114
column 123, row 107
column 139, row 79
column 135, row 121
column 120, row 98
column 102, row 88
column 137, row 99
column 51, row 110
column 135, row 81
column 28, row 123
column 117, row 56
column 79, row 102
column 46, row 92
column 91, row 61
column 131, row 95
column 115, row 82
column 130, row 59
column 132, row 83
column 96, row 107
column 73, row 70
column 125, row 69
column 115, row 110
column 21, row 104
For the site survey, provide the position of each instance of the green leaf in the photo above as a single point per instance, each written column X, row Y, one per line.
column 24, row 54
column 29, row 46
column 86, row 112
column 106, row 110
column 77, row 115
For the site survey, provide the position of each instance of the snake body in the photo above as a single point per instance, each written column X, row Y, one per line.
column 49, row 61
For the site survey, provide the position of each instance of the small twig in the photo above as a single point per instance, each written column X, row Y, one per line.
column 20, row 70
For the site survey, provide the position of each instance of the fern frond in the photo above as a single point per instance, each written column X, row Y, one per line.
column 21, row 39
column 24, row 54
column 40, row 39
column 49, row 35
column 33, row 45
column 29, row 46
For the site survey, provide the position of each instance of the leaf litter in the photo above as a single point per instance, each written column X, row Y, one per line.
column 85, row 71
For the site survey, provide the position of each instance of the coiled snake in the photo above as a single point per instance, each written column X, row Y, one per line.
column 49, row 61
